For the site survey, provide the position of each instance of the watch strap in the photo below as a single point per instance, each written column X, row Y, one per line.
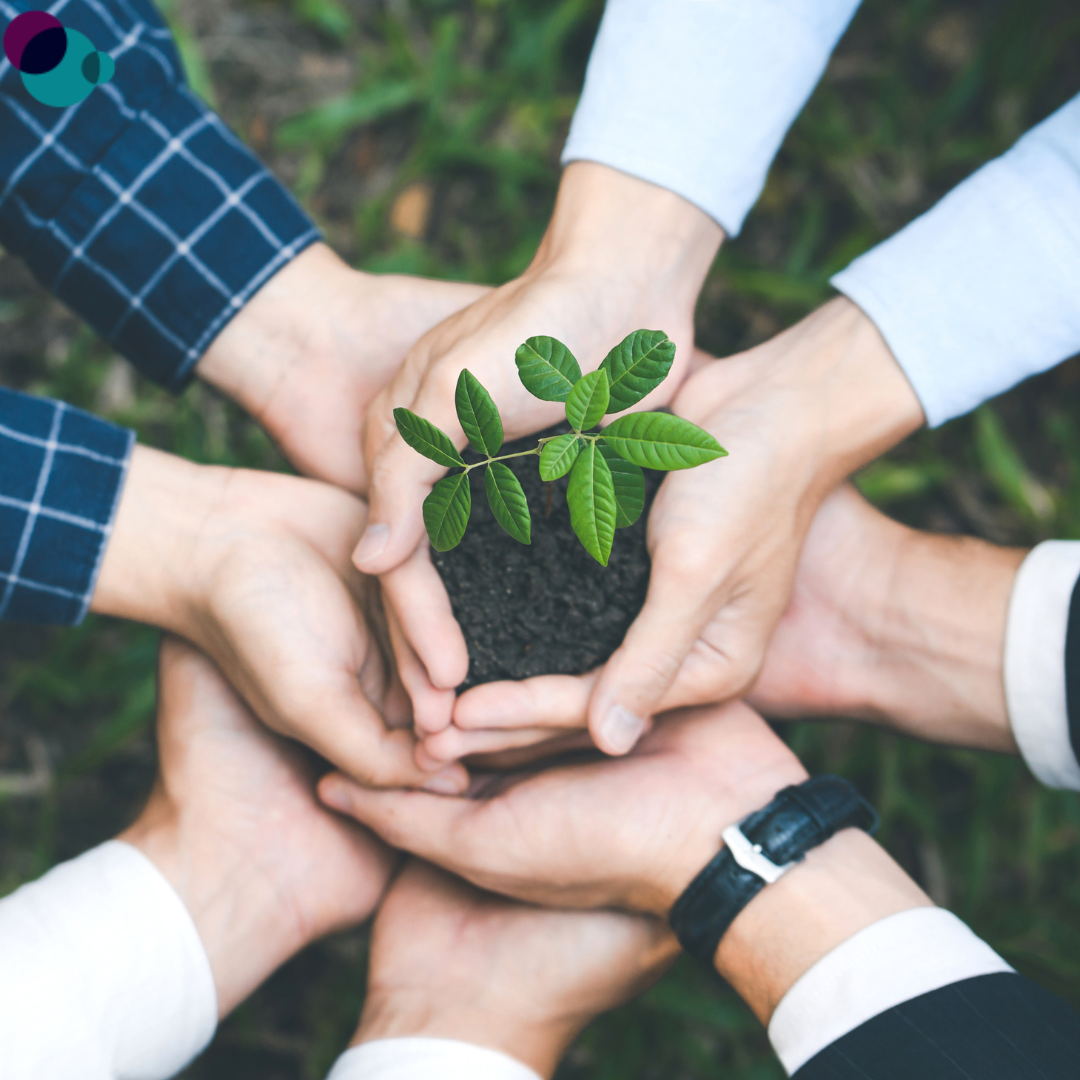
column 800, row 818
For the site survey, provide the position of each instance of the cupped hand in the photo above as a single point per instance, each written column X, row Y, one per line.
column 254, row 569
column 449, row 961
column 234, row 825
column 310, row 351
column 591, row 283
column 796, row 415
column 629, row 833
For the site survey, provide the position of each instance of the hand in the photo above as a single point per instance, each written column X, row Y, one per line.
column 234, row 826
column 253, row 568
column 594, row 280
column 449, row 961
column 895, row 626
column 634, row 832
column 308, row 353
column 796, row 415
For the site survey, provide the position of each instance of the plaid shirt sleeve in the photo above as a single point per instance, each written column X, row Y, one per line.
column 61, row 473
column 138, row 207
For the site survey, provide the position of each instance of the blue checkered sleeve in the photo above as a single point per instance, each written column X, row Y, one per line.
column 138, row 207
column 61, row 473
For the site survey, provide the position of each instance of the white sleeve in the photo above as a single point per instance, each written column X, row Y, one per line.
column 892, row 961
column 983, row 290
column 425, row 1059
column 1035, row 636
column 102, row 973
column 697, row 95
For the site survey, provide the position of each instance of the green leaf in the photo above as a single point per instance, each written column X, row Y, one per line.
column 658, row 440
column 588, row 401
column 422, row 435
column 477, row 415
column 559, row 455
column 638, row 364
column 507, row 501
column 591, row 498
column 446, row 511
column 629, row 484
column 547, row 368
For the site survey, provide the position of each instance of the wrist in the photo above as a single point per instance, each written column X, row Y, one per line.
column 631, row 236
column 235, row 907
column 148, row 573
column 841, row 887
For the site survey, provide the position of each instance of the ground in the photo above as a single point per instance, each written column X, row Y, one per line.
column 424, row 137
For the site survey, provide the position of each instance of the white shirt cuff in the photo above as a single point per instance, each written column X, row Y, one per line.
column 1035, row 661
column 103, row 974
column 426, row 1059
column 696, row 97
column 892, row 961
column 980, row 291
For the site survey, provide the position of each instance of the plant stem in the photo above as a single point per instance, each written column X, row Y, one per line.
column 527, row 453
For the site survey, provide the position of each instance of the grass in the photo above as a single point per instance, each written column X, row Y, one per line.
column 424, row 137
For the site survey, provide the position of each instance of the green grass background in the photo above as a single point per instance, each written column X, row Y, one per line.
column 351, row 102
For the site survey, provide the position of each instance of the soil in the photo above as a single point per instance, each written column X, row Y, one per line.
column 547, row 608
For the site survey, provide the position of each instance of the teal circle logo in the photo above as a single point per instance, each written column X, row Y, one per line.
column 59, row 67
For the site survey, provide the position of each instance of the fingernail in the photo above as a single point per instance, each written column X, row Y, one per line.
column 446, row 782
column 372, row 543
column 333, row 793
column 621, row 729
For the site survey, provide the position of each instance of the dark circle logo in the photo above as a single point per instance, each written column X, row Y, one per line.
column 59, row 67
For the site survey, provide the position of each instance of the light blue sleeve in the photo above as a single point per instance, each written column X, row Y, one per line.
column 983, row 290
column 697, row 95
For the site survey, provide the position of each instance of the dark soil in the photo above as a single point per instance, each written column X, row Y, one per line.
column 548, row 608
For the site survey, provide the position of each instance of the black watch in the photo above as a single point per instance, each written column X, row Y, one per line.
column 760, row 849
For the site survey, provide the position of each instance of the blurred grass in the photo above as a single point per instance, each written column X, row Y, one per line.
column 355, row 103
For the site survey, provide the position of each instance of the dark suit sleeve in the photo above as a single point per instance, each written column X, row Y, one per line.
column 992, row 1027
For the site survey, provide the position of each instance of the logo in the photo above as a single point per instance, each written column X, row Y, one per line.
column 59, row 66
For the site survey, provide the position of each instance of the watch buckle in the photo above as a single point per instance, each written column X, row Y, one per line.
column 750, row 856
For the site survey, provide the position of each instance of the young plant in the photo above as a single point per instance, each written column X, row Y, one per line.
column 607, row 487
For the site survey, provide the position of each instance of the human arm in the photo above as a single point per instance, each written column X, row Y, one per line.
column 510, row 984
column 143, row 212
column 119, row 963
column 842, row 937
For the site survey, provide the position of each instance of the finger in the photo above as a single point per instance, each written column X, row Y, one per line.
column 431, row 707
column 557, row 745
column 635, row 680
column 415, row 594
column 452, row 744
column 427, row 825
column 550, row 701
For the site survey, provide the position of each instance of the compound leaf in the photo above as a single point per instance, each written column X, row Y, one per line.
column 422, row 435
column 629, row 483
column 638, row 364
column 446, row 511
column 507, row 501
column 588, row 401
column 477, row 414
column 559, row 455
column 657, row 440
column 591, row 498
column 547, row 368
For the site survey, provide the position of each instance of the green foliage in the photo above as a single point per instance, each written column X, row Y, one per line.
column 547, row 368
column 507, row 501
column 661, row 441
column 637, row 366
column 446, row 511
column 477, row 415
column 588, row 401
column 425, row 438
column 606, row 489
column 558, row 455
column 591, row 499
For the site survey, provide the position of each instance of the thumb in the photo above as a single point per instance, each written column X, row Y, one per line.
column 637, row 676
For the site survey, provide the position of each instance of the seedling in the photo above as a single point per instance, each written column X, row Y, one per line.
column 607, row 487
